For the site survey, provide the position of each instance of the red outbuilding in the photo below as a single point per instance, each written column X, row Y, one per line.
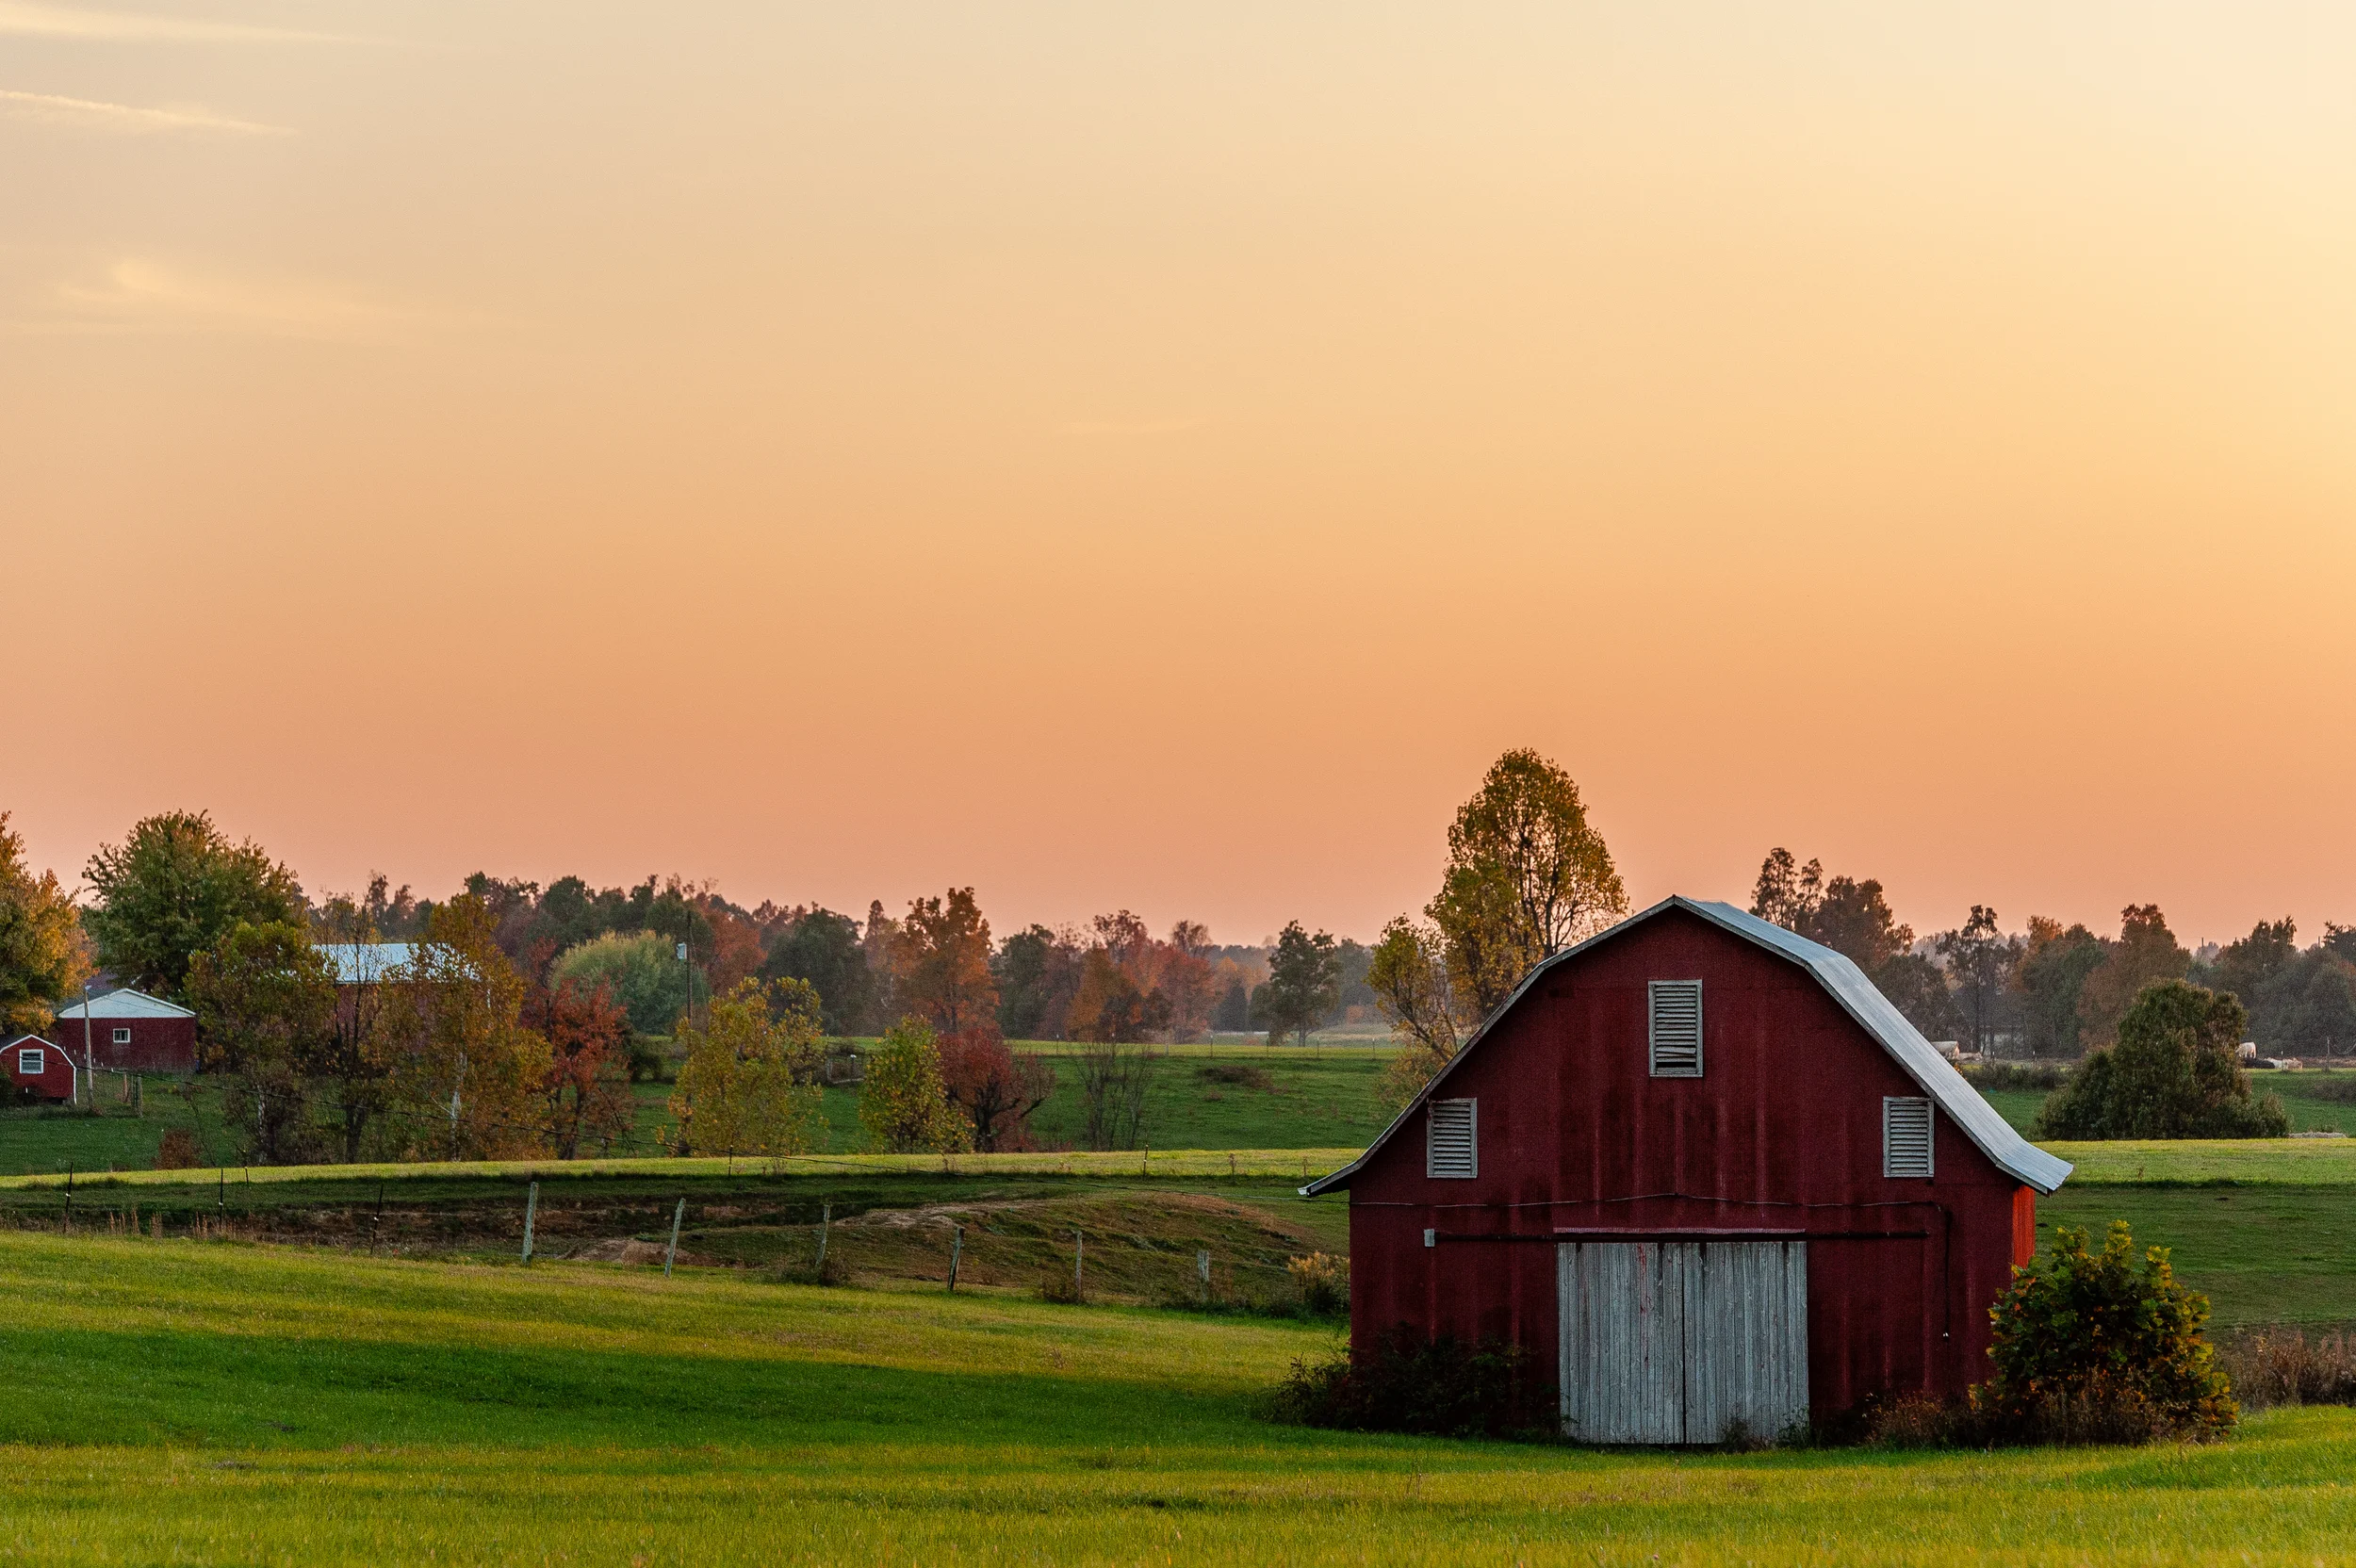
column 1711, row 1181
column 132, row 1032
column 37, row 1069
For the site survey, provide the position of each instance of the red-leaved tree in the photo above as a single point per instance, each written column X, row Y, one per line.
column 588, row 1083
column 997, row 1088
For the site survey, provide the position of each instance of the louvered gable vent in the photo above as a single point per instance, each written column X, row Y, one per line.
column 1906, row 1138
column 1676, row 1028
column 1451, row 1144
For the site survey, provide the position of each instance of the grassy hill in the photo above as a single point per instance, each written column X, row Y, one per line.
column 2266, row 1229
column 217, row 1403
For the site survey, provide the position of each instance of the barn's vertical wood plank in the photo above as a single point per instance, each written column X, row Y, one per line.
column 1795, row 1359
column 1747, row 1338
column 1658, row 1417
column 1569, row 1369
column 1697, row 1393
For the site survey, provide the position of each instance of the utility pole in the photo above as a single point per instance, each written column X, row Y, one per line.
column 87, row 1074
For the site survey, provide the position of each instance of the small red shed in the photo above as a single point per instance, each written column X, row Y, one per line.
column 37, row 1069
column 131, row 1031
column 1708, row 1177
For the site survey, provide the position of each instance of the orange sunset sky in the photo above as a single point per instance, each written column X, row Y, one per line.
column 1157, row 456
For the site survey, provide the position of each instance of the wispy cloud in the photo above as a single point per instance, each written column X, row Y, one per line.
column 142, row 295
column 124, row 120
column 1126, row 427
column 37, row 20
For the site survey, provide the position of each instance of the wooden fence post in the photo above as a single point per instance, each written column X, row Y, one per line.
column 1202, row 1272
column 531, row 1208
column 825, row 1223
column 1079, row 1262
column 957, row 1253
column 677, row 1215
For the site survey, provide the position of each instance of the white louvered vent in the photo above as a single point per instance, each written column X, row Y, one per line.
column 1906, row 1138
column 1451, row 1143
column 1676, row 1028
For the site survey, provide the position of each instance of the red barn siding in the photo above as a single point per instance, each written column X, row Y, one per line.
column 56, row 1079
column 1781, row 1131
column 157, row 1044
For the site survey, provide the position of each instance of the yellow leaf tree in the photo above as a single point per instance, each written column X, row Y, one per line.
column 904, row 1101
column 1526, row 876
column 467, row 1075
column 748, row 1083
column 43, row 954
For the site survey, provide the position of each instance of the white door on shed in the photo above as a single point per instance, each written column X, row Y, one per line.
column 1682, row 1341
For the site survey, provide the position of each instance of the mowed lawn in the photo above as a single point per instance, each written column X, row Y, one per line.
column 193, row 1403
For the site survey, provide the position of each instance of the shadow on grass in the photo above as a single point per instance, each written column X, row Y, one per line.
column 226, row 1389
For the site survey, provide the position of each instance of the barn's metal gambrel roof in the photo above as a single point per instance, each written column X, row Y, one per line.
column 1961, row 1103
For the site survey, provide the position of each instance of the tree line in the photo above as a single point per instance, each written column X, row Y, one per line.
column 2059, row 991
column 1527, row 875
column 517, row 1018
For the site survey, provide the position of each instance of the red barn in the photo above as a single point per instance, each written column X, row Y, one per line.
column 1708, row 1177
column 37, row 1069
column 131, row 1031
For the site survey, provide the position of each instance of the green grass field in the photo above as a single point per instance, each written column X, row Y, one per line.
column 1316, row 1097
column 893, row 1219
column 2301, row 1093
column 1313, row 1096
column 198, row 1403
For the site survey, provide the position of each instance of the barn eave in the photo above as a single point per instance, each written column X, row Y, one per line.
column 1858, row 997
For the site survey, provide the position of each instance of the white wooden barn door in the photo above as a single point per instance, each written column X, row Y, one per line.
column 1682, row 1341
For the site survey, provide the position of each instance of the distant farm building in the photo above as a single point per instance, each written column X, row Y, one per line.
column 1709, row 1177
column 367, row 963
column 39, row 1070
column 131, row 1031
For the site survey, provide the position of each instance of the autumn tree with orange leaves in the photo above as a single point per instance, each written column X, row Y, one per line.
column 940, row 965
column 588, row 1083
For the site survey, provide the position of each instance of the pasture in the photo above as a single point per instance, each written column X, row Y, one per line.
column 1223, row 1096
column 2266, row 1229
column 205, row 1402
column 1213, row 1096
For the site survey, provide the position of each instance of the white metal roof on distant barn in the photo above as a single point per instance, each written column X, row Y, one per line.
column 367, row 963
column 126, row 1004
column 1972, row 1116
